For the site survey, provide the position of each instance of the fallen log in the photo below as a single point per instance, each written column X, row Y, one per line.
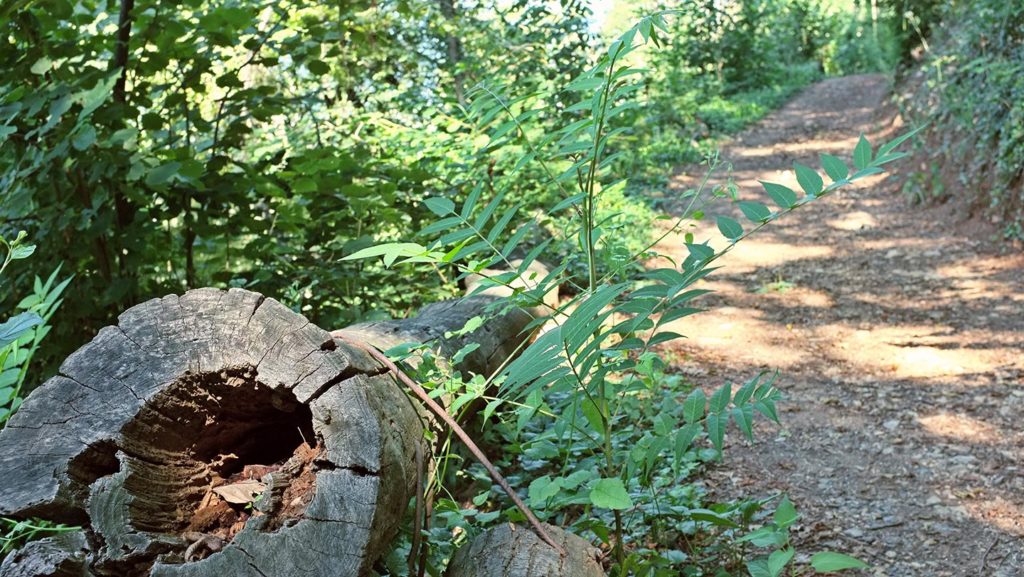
column 62, row 555
column 497, row 340
column 212, row 389
column 220, row 433
column 515, row 551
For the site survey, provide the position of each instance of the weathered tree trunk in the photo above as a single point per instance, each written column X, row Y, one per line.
column 61, row 556
column 516, row 551
column 211, row 389
column 187, row 397
column 497, row 339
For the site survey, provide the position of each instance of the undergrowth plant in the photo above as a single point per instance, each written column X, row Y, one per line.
column 20, row 336
column 603, row 440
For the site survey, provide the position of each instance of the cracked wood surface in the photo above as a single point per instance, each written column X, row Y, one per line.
column 123, row 441
column 515, row 551
column 143, row 421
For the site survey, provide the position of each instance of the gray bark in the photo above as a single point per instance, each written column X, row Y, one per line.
column 497, row 339
column 61, row 556
column 143, row 421
column 516, row 551
column 184, row 394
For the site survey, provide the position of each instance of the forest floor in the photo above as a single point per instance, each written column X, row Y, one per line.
column 899, row 334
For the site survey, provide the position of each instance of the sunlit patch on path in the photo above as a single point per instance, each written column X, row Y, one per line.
column 901, row 346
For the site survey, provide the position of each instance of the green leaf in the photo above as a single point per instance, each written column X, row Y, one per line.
column 7, row 379
column 755, row 211
column 778, row 560
column 610, row 494
column 84, row 137
column 542, row 489
column 744, row 417
column 389, row 251
column 780, row 195
column 720, row 399
column 767, row 408
column 829, row 562
column 891, row 145
column 318, row 67
column 22, row 251
column 700, row 252
column 729, row 228
column 439, row 206
column 759, row 568
column 152, row 121
column 41, row 66
column 663, row 337
column 809, row 179
column 13, row 328
column 862, row 153
column 869, row 171
column 766, row 537
column 693, row 407
column 94, row 97
column 685, row 437
column 191, row 169
column 785, row 514
column 835, row 169
column 160, row 175
column 304, row 185
column 716, row 429
column 712, row 517
column 593, row 414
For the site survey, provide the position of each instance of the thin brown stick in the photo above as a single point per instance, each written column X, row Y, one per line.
column 984, row 558
column 442, row 414
column 417, row 524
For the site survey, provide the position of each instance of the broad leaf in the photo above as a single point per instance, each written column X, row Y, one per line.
column 754, row 210
column 780, row 195
column 693, row 407
column 809, row 179
column 835, row 169
column 13, row 328
column 729, row 228
column 829, row 562
column 610, row 494
column 439, row 206
column 862, row 153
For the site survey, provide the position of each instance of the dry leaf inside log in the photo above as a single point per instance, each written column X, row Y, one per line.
column 242, row 492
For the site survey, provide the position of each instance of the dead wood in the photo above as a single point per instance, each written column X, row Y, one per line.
column 190, row 393
column 516, row 551
column 219, row 434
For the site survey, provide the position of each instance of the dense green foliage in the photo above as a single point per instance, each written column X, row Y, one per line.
column 971, row 86
column 246, row 144
column 607, row 443
column 725, row 65
column 240, row 144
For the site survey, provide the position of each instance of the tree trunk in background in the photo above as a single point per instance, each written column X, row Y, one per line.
column 454, row 49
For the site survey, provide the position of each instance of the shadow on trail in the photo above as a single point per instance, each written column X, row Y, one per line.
column 902, row 351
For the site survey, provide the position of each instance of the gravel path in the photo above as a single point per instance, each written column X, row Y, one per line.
column 900, row 339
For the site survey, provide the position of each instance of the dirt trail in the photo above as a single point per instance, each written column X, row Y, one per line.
column 901, row 346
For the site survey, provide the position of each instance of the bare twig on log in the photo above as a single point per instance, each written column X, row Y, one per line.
column 442, row 414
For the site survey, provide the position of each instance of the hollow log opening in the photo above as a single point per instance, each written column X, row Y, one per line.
column 211, row 430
